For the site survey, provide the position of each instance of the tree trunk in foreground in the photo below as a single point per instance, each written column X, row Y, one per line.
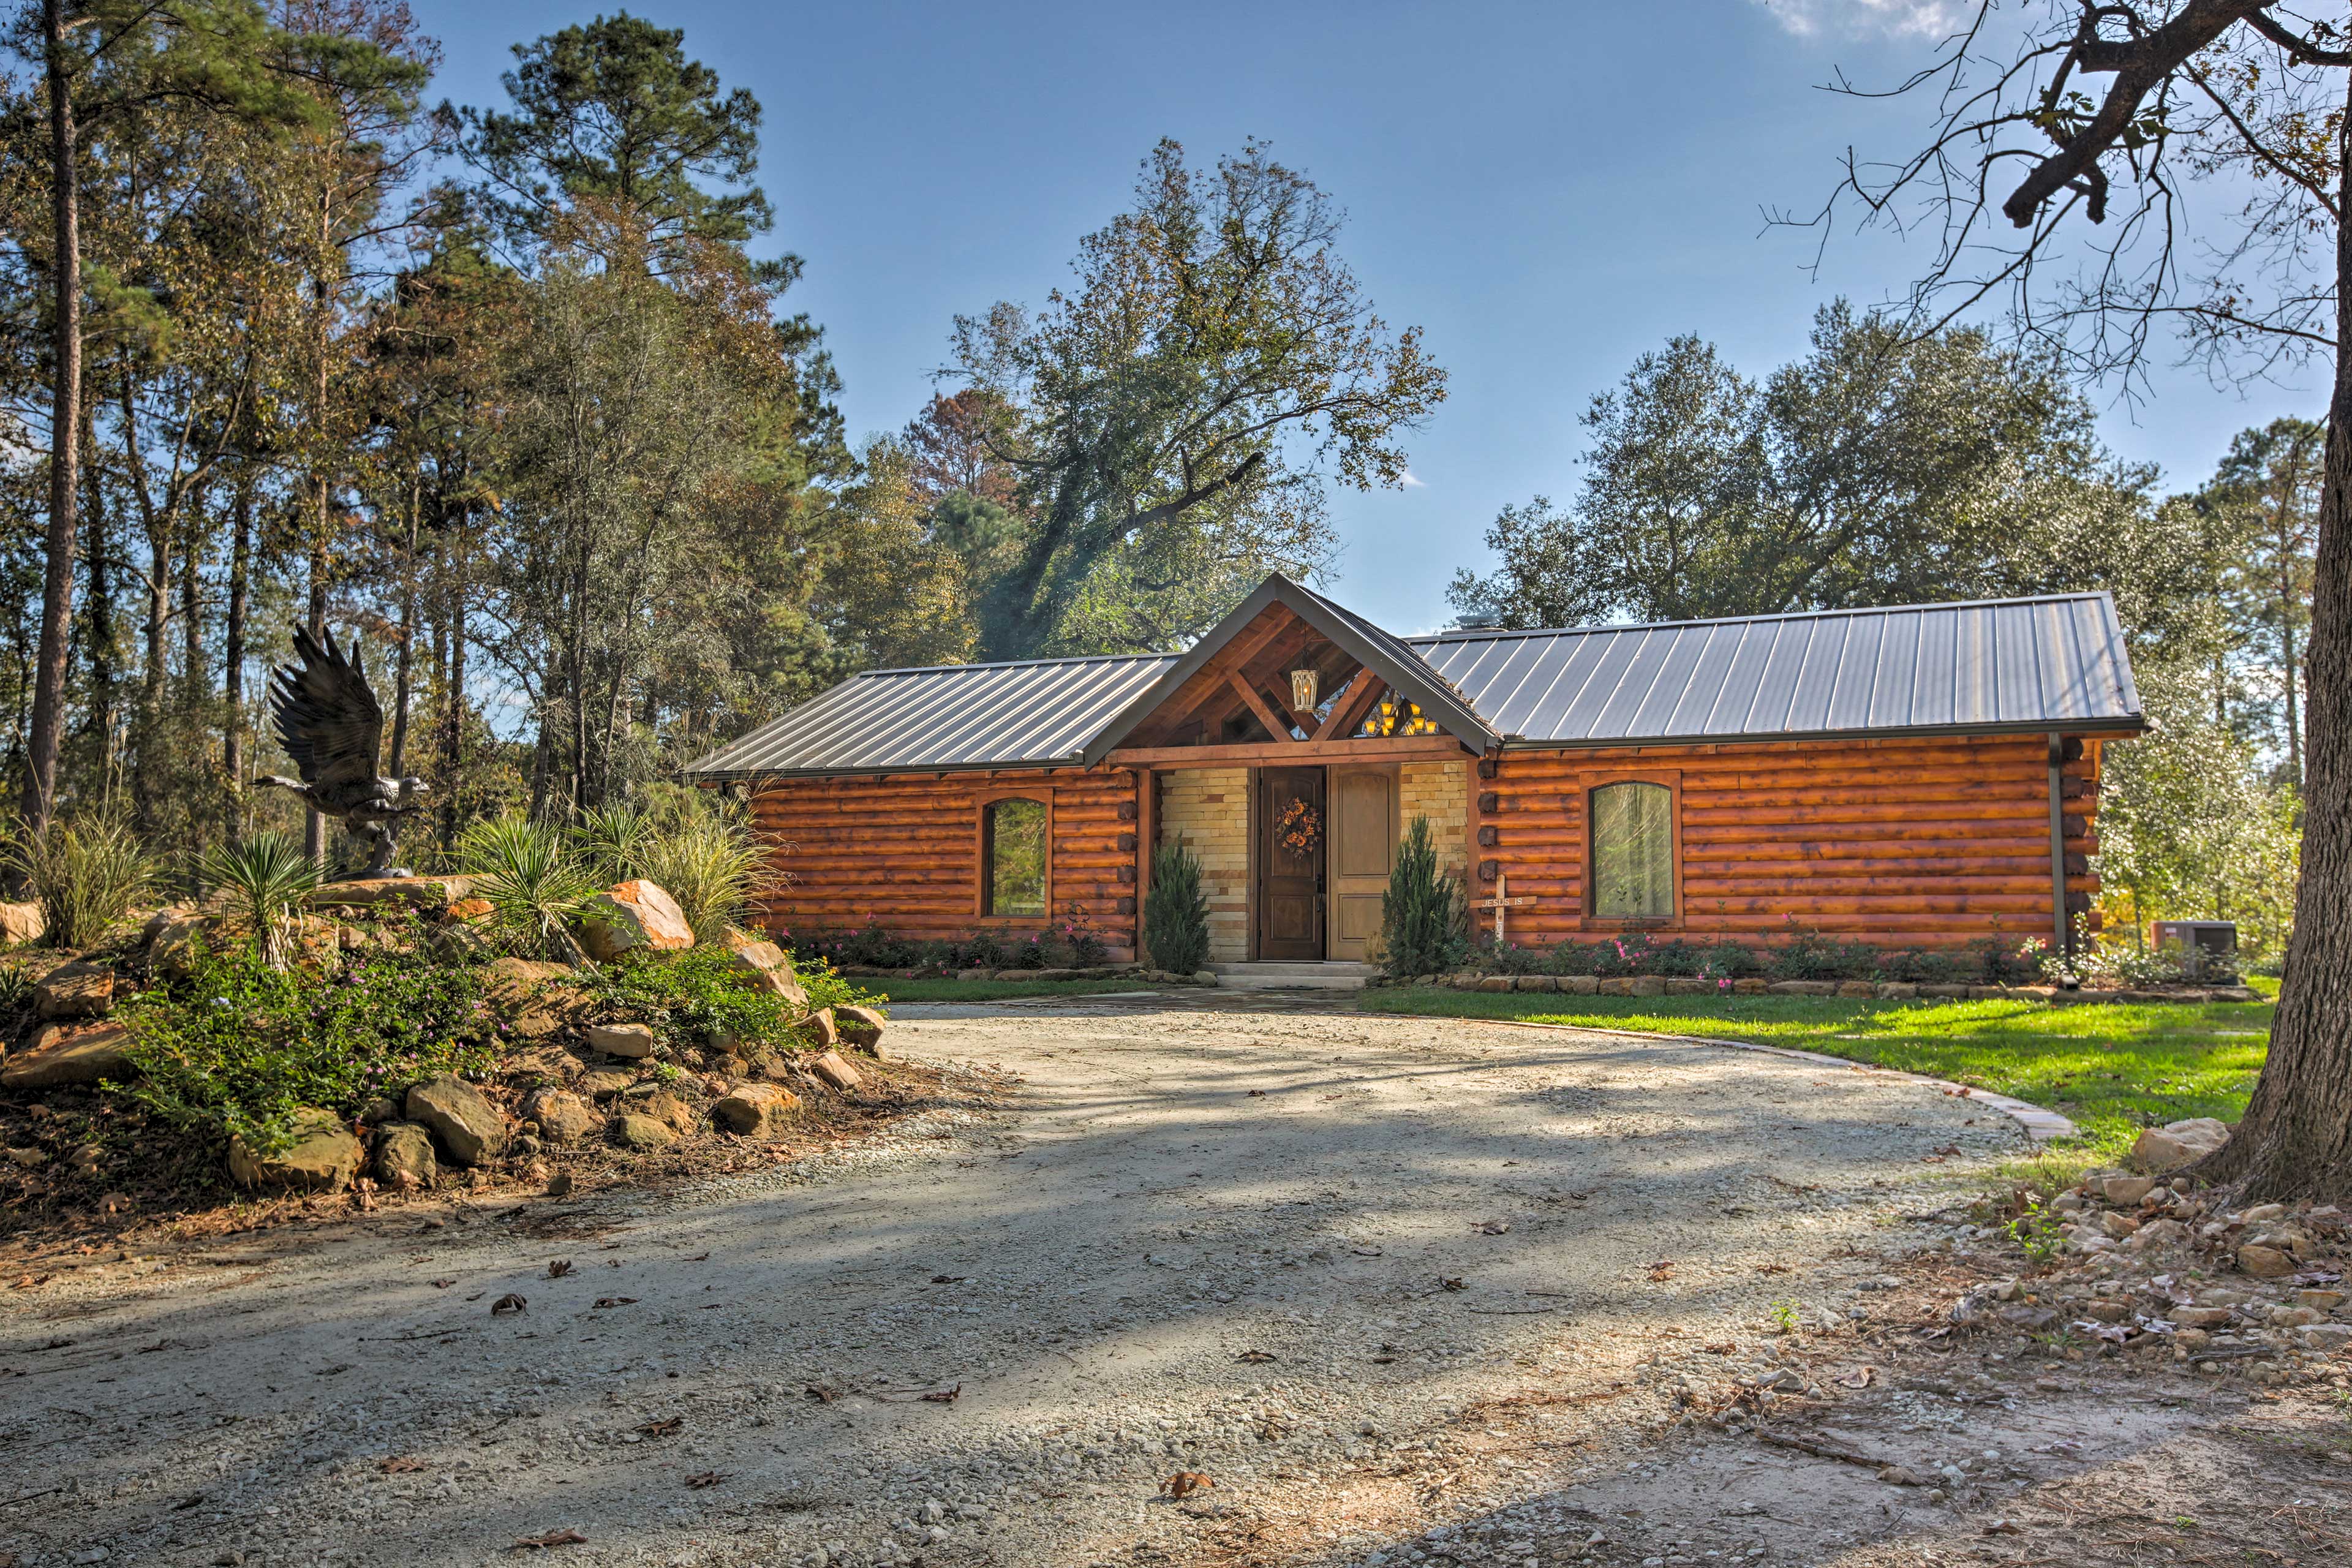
column 65, row 431
column 2295, row 1140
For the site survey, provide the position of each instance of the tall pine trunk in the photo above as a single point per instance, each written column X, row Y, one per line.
column 2295, row 1140
column 64, row 430
column 240, row 579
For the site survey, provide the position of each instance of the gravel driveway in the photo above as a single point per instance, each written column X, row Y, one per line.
column 1288, row 1249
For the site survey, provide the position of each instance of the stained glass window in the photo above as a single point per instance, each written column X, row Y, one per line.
column 1013, row 852
column 1633, row 852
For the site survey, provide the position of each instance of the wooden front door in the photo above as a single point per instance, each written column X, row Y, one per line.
column 1290, row 882
column 1364, row 849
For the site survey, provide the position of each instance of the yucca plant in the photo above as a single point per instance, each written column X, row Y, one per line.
column 264, row 877
column 535, row 885
column 86, row 875
column 711, row 865
column 612, row 840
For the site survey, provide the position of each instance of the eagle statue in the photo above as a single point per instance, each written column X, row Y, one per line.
column 332, row 727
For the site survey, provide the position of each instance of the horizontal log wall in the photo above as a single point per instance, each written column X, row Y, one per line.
column 1928, row 842
column 902, row 852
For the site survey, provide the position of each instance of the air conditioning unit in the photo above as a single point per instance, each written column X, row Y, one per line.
column 2200, row 942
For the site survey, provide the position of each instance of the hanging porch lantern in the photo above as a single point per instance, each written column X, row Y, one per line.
column 1302, row 683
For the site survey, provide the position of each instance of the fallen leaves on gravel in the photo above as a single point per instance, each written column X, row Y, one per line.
column 1253, row 1357
column 442, row 1283
column 1858, row 1378
column 1185, row 1483
column 822, row 1394
column 948, row 1278
column 1451, row 1282
column 707, row 1478
column 661, row 1428
column 399, row 1465
column 1661, row 1270
column 552, row 1538
column 616, row 1301
column 1494, row 1227
column 558, row 1268
column 509, row 1302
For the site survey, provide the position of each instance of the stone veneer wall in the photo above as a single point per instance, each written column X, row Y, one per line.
column 1209, row 808
column 1440, row 791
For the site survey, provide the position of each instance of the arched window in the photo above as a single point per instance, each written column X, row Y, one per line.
column 1633, row 852
column 1012, row 857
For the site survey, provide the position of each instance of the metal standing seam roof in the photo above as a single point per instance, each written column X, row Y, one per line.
column 1038, row 713
column 2011, row 666
column 1983, row 667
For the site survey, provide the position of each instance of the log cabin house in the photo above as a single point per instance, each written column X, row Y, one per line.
column 1913, row 776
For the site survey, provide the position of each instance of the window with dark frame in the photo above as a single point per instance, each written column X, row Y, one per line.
column 1012, row 857
column 1633, row 852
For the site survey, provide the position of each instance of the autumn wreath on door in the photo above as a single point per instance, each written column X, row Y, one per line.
column 1298, row 827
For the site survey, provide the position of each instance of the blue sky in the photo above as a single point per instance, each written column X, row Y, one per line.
column 1547, row 190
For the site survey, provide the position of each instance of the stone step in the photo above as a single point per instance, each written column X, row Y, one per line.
column 1334, row 975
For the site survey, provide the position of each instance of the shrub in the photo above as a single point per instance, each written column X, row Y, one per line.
column 535, row 886
column 1925, row 966
column 711, row 865
column 236, row 1047
column 1421, row 912
column 1176, row 911
column 1809, row 955
column 694, row 996
column 263, row 877
column 86, row 875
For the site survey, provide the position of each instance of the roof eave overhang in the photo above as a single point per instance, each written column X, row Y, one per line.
column 2124, row 725
column 872, row 770
column 1437, row 701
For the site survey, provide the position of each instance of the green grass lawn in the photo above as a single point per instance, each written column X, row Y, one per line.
column 2113, row 1068
column 995, row 989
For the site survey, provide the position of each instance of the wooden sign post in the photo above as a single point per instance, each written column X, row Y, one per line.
column 1501, row 902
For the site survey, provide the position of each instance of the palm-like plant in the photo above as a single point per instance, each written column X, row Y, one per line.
column 263, row 877
column 535, row 885
column 612, row 840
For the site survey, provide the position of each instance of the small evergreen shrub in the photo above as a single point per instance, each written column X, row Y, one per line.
column 1925, row 966
column 1176, row 911
column 1422, row 914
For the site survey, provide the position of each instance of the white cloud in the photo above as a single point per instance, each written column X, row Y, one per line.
column 1412, row 481
column 1853, row 18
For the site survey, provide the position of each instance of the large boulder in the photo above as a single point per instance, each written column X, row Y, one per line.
column 323, row 1157
column 171, row 938
column 635, row 1041
column 634, row 915
column 2160, row 1150
column 836, row 1072
column 819, row 1029
column 76, row 991
column 430, row 893
column 671, row 1110
column 640, row 1133
column 60, row 1055
column 768, row 967
column 563, row 1118
column 404, row 1157
column 470, row 1128
column 21, row 924
column 756, row 1110
column 860, row 1027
